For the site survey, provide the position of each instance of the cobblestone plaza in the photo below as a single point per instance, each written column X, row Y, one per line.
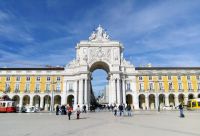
column 151, row 123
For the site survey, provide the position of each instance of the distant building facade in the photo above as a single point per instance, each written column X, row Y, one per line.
column 142, row 87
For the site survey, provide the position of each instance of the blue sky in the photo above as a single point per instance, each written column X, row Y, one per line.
column 45, row 32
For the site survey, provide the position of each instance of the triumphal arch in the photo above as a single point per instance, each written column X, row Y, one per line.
column 99, row 52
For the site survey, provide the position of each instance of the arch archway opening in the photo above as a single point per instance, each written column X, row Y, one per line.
column 36, row 101
column 129, row 99
column 26, row 100
column 47, row 102
column 142, row 104
column 198, row 95
column 57, row 101
column 181, row 98
column 190, row 96
column 70, row 100
column 99, row 89
column 16, row 98
column 171, row 100
column 152, row 104
column 161, row 100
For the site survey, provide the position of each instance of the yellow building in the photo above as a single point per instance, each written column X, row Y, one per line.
column 142, row 87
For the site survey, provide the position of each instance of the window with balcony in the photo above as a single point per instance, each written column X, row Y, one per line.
column 151, row 86
column 37, row 87
column 47, row 87
column 17, row 87
column 141, row 86
column 27, row 87
column 179, row 77
column 189, row 86
column 7, row 89
column 58, row 87
column 48, row 78
column 160, row 86
column 140, row 78
column 159, row 77
column 128, row 86
column 28, row 78
column 180, row 86
column 18, row 78
column 37, row 78
column 170, row 86
column 8, row 78
column 58, row 78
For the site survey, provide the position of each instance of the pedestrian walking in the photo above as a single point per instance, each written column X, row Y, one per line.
column 181, row 110
column 128, row 110
column 69, row 112
column 120, row 109
column 84, row 109
column 57, row 110
column 115, row 111
column 78, row 112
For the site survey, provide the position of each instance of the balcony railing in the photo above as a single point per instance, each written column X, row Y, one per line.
column 47, row 91
column 128, row 90
column 70, row 90
column 141, row 90
column 190, row 90
column 26, row 91
column 57, row 91
column 16, row 91
column 171, row 90
column 180, row 90
column 36, row 91
column 151, row 90
column 161, row 90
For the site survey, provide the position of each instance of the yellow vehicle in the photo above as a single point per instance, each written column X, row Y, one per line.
column 193, row 104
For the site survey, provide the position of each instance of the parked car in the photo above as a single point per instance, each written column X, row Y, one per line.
column 30, row 109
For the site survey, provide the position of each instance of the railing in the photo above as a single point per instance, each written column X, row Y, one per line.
column 180, row 90
column 37, row 91
column 141, row 90
column 57, row 91
column 16, row 91
column 47, row 91
column 171, row 90
column 128, row 90
column 70, row 90
column 151, row 90
column 190, row 90
column 26, row 91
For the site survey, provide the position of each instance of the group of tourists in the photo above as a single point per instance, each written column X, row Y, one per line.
column 122, row 110
column 68, row 110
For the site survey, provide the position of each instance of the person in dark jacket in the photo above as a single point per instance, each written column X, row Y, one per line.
column 181, row 110
column 57, row 110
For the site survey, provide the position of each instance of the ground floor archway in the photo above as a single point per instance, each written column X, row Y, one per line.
column 152, row 101
column 47, row 102
column 171, row 100
column 70, row 100
column 161, row 100
column 190, row 96
column 16, row 98
column 129, row 99
column 57, row 100
column 181, row 98
column 142, row 101
column 36, row 101
column 26, row 100
column 198, row 95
